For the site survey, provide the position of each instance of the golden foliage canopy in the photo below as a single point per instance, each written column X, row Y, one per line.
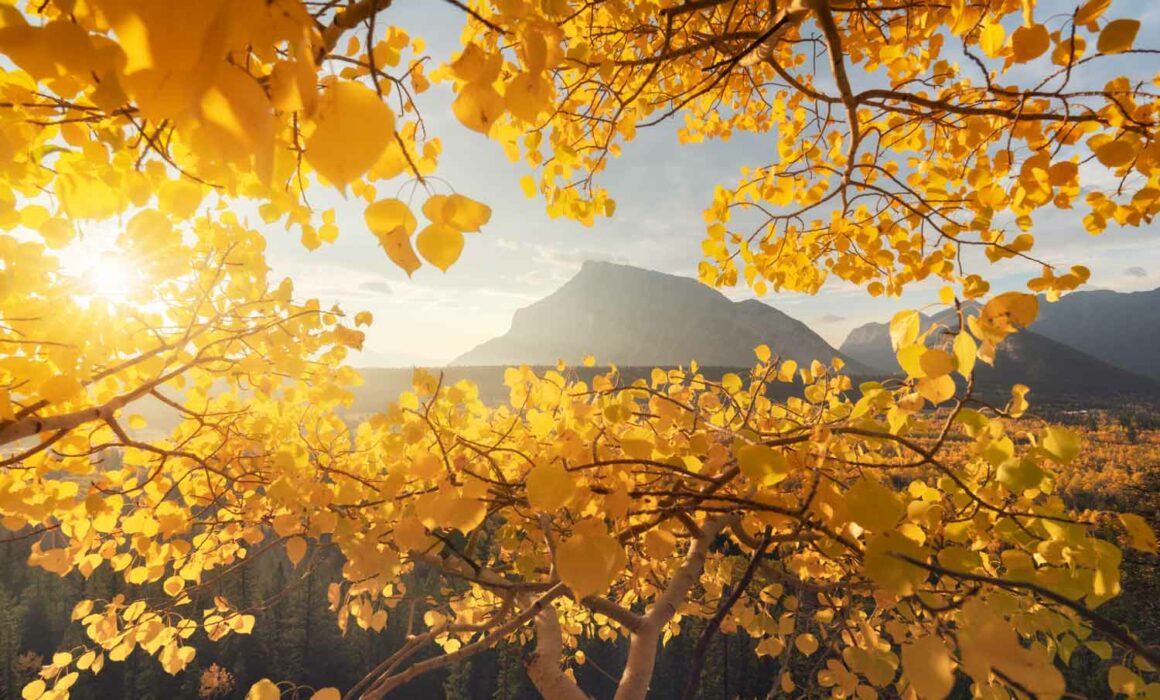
column 831, row 523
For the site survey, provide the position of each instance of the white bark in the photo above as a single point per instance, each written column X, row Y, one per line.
column 545, row 666
column 642, row 650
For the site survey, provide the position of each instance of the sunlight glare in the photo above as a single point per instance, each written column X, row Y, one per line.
column 111, row 278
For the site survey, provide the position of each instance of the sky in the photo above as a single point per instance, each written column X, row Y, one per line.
column 661, row 189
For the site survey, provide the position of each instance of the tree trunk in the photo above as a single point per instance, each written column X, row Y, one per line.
column 545, row 667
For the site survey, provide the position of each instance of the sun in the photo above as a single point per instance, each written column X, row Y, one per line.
column 112, row 278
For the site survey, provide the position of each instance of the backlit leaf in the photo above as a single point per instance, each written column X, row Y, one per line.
column 872, row 505
column 1140, row 533
column 590, row 559
column 549, row 487
column 765, row 466
column 1118, row 35
column 929, row 667
column 353, row 128
column 440, row 245
column 263, row 690
column 1029, row 43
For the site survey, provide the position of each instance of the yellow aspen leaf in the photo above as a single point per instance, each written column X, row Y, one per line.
column 6, row 412
column 1020, row 474
column 533, row 48
column 386, row 215
column 364, row 318
column 762, row 352
column 440, row 245
column 527, row 95
column 57, row 233
column 528, row 186
column 1091, row 10
column 242, row 624
column 436, row 209
column 1069, row 50
column 295, row 549
column 326, row 694
column 991, row 39
column 263, row 690
column 1116, row 153
column 936, row 389
column 1060, row 444
column 806, row 643
column 137, row 422
column 237, row 119
column 910, row 360
column 33, row 690
column 173, row 586
column 478, row 106
column 474, row 65
column 929, row 667
column 763, row 465
column 34, row 216
column 987, row 642
column 965, row 353
column 588, row 360
column 549, row 487
column 457, row 211
column 1118, row 36
column 292, row 85
column 659, row 543
column 466, row 214
column 180, row 197
column 936, row 363
column 873, row 506
column 590, row 560
column 1140, row 533
column 397, row 244
column 86, row 660
column 83, row 197
column 904, row 329
column 786, row 683
column 1029, row 43
column 1006, row 313
column 1122, row 679
column 352, row 129
column 886, row 564
column 173, row 658
column 59, row 388
column 81, row 610
column 1018, row 404
column 637, row 448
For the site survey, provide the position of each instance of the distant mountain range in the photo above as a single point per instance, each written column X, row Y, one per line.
column 1048, row 366
column 1122, row 329
column 636, row 317
column 1095, row 343
column 1097, row 348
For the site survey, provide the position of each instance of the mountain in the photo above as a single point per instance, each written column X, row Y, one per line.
column 636, row 317
column 870, row 345
column 1123, row 329
column 1051, row 368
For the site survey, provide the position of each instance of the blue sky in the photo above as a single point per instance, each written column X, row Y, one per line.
column 661, row 189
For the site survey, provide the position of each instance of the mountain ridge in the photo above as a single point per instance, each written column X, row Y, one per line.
column 1026, row 357
column 633, row 316
column 1120, row 328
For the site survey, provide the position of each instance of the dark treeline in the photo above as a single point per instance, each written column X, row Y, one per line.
column 297, row 640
